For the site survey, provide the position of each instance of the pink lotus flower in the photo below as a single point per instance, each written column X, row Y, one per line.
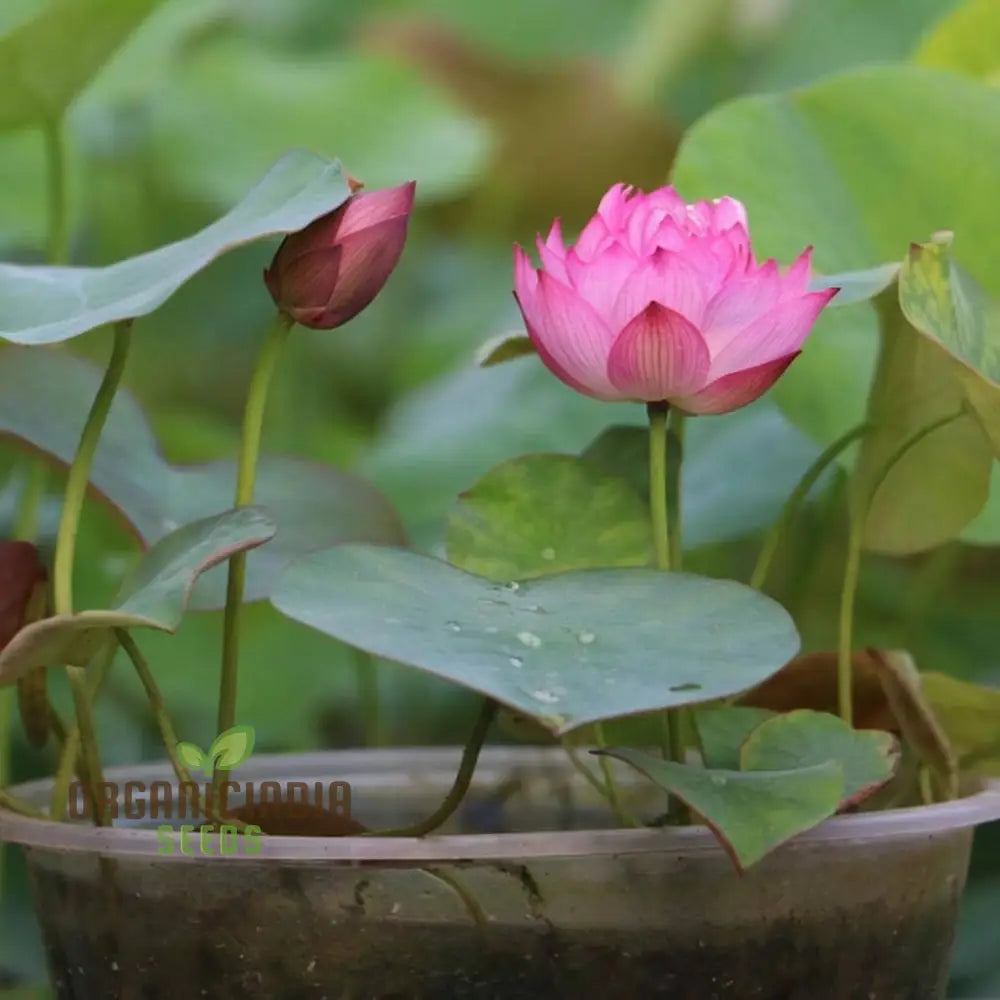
column 325, row 274
column 661, row 301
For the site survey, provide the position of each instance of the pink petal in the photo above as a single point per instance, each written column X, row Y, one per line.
column 600, row 279
column 798, row 276
column 570, row 336
column 367, row 258
column 726, row 213
column 668, row 279
column 372, row 207
column 735, row 390
column 614, row 205
column 657, row 356
column 594, row 235
column 552, row 253
column 741, row 301
column 525, row 276
column 776, row 334
column 667, row 200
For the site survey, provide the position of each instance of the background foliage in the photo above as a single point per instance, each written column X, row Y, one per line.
column 507, row 115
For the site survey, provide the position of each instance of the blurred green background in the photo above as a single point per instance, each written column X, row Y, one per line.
column 507, row 114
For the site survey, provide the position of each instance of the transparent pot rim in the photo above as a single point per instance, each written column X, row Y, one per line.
column 434, row 770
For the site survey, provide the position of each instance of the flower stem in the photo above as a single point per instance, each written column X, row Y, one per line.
column 796, row 499
column 55, row 163
column 658, row 509
column 253, row 423
column 466, row 769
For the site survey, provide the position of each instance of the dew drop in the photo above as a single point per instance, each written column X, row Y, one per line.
column 549, row 697
column 586, row 638
column 548, row 553
column 453, row 626
column 529, row 639
column 513, row 585
column 491, row 630
column 718, row 779
column 516, row 662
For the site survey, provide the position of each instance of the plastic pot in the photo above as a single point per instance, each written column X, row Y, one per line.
column 529, row 894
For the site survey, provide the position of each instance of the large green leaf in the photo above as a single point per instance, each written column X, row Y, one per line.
column 966, row 40
column 751, row 812
column 386, row 122
column 565, row 650
column 49, row 58
column 545, row 514
column 44, row 399
column 946, row 304
column 858, row 165
column 155, row 597
column 803, row 738
column 940, row 358
column 43, row 305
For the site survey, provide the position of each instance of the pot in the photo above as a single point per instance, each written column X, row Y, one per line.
column 528, row 893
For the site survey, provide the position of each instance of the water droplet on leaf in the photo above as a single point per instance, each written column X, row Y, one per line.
column 548, row 553
column 586, row 638
column 529, row 639
column 453, row 626
column 516, row 661
column 548, row 697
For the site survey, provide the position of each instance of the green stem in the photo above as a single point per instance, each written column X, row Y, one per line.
column 658, row 413
column 15, row 805
column 463, row 779
column 584, row 771
column 664, row 488
column 69, row 758
column 163, row 723
column 93, row 778
column 55, row 164
column 69, row 523
column 253, row 424
column 852, row 568
column 610, row 786
column 79, row 471
column 366, row 676
column 796, row 499
column 845, row 633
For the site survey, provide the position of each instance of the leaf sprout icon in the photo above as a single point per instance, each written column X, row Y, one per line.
column 228, row 750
